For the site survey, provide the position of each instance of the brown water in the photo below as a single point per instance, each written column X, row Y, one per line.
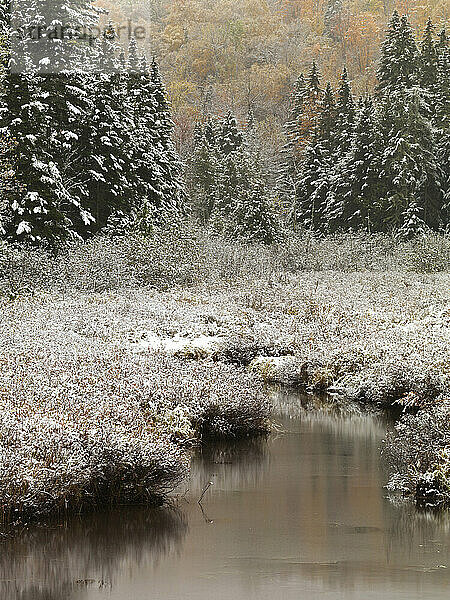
column 301, row 516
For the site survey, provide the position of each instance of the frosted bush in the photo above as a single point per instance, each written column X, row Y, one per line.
column 419, row 455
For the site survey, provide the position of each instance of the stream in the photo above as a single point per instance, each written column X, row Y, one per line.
column 301, row 515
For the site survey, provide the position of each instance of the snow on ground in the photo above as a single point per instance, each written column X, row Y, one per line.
column 100, row 391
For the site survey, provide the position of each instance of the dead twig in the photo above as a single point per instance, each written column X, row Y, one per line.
column 207, row 486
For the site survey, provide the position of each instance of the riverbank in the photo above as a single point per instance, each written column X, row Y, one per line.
column 121, row 353
column 266, row 517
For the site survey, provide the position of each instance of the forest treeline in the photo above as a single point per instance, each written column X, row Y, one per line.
column 379, row 163
column 91, row 147
column 218, row 55
column 85, row 144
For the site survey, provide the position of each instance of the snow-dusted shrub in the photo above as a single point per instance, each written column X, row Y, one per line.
column 427, row 254
column 403, row 385
column 241, row 349
column 24, row 271
column 220, row 400
column 72, row 433
column 419, row 455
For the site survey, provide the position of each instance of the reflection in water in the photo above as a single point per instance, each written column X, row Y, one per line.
column 301, row 515
column 84, row 553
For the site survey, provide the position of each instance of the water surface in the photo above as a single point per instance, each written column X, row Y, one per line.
column 302, row 515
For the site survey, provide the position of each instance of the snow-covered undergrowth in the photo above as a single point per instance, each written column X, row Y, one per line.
column 191, row 255
column 119, row 353
column 419, row 453
column 84, row 422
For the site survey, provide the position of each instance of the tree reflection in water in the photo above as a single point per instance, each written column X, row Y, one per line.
column 59, row 559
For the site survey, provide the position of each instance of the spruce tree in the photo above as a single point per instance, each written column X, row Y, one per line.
column 361, row 182
column 109, row 144
column 412, row 225
column 313, row 188
column 428, row 59
column 47, row 114
column 173, row 187
column 409, row 162
column 252, row 219
column 291, row 151
column 441, row 121
column 229, row 183
column 229, row 138
column 197, row 135
column 313, row 90
column 399, row 57
column 345, row 123
column 327, row 121
column 204, row 172
column 441, row 114
column 211, row 131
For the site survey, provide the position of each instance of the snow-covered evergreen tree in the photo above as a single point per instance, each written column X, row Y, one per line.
column 428, row 59
column 46, row 113
column 241, row 207
column 327, row 121
column 412, row 225
column 109, row 144
column 204, row 171
column 346, row 111
column 252, row 219
column 441, row 121
column 361, row 184
column 173, row 184
column 313, row 90
column 313, row 187
column 229, row 137
column 409, row 162
column 291, row 151
column 399, row 57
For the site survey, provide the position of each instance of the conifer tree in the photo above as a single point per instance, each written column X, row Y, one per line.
column 345, row 122
column 441, row 121
column 230, row 180
column 313, row 90
column 361, row 183
column 252, row 218
column 428, row 59
column 46, row 114
column 211, row 132
column 229, row 138
column 412, row 225
column 109, row 143
column 441, row 114
column 409, row 161
column 399, row 57
column 327, row 121
column 291, row 150
column 197, row 135
column 250, row 123
column 204, row 171
column 173, row 187
column 313, row 187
